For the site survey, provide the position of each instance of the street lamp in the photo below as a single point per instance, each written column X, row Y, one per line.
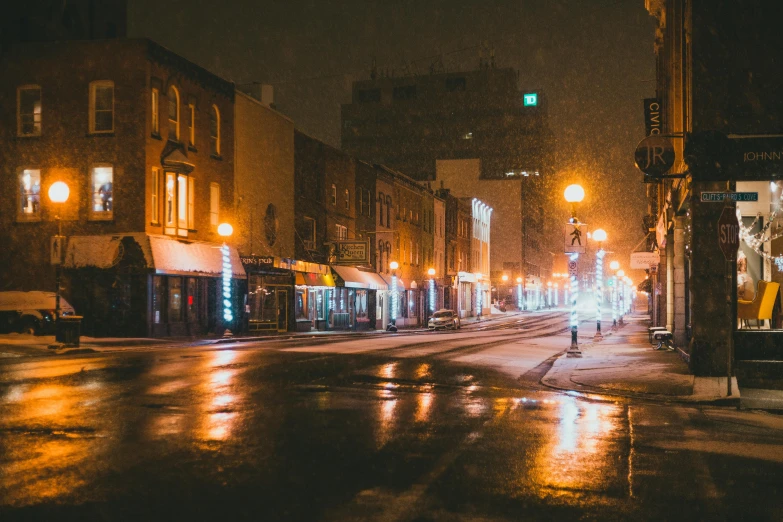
column 394, row 265
column 58, row 194
column 225, row 230
column 599, row 236
column 431, row 273
column 574, row 194
column 479, row 297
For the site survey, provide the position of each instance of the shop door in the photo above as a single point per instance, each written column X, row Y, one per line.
column 282, row 310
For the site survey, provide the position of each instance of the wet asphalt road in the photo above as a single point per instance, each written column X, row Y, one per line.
column 377, row 428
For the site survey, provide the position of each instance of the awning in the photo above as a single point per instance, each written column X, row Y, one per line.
column 351, row 277
column 163, row 254
column 311, row 279
column 401, row 286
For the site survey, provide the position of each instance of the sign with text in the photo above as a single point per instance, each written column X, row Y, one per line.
column 530, row 99
column 262, row 262
column 719, row 197
column 645, row 260
column 728, row 233
column 654, row 155
column 575, row 238
column 573, row 268
column 652, row 116
column 352, row 252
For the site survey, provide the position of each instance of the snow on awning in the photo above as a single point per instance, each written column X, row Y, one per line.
column 400, row 283
column 354, row 278
column 163, row 254
column 173, row 256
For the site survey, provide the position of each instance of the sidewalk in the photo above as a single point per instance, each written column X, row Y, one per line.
column 624, row 363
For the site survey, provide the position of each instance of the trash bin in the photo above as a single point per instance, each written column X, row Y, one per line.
column 69, row 330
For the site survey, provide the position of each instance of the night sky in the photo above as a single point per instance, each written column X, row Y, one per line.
column 593, row 58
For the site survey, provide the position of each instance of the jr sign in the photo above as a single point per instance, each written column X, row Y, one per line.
column 654, row 155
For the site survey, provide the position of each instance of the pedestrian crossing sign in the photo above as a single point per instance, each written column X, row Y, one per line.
column 575, row 238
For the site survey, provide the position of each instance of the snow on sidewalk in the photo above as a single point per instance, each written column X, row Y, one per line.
column 626, row 364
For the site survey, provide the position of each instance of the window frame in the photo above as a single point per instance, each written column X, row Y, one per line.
column 334, row 195
column 94, row 85
column 347, row 199
column 155, row 196
column 177, row 104
column 214, row 204
column 214, row 141
column 192, row 125
column 28, row 87
column 20, row 215
column 105, row 215
column 155, row 111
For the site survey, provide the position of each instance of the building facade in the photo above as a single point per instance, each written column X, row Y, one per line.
column 144, row 140
column 718, row 92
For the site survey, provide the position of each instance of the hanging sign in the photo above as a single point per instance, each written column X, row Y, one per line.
column 645, row 260
column 654, row 155
column 652, row 116
column 352, row 252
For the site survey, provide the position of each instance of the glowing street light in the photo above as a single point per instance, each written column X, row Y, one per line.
column 479, row 297
column 394, row 265
column 431, row 273
column 599, row 236
column 58, row 194
column 225, row 230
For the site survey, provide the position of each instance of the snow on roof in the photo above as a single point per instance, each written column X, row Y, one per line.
column 171, row 255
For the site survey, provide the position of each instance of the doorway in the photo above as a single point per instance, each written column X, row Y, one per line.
column 282, row 310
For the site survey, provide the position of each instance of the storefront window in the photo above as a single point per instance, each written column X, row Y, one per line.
column 192, row 300
column 175, row 299
column 412, row 300
column 760, row 257
column 301, row 304
column 361, row 306
column 158, row 297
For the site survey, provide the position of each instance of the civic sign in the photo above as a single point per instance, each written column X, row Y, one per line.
column 652, row 116
column 644, row 260
column 654, row 155
column 717, row 197
column 575, row 238
column 352, row 252
column 728, row 233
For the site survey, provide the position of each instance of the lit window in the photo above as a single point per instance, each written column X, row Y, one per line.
column 155, row 108
column 171, row 199
column 467, row 136
column 102, row 107
column 334, row 194
column 29, row 110
column 182, row 201
column 342, row 232
column 154, row 202
column 173, row 96
column 214, row 131
column 214, row 204
column 102, row 184
column 30, row 194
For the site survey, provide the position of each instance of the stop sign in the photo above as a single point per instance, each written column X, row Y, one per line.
column 728, row 233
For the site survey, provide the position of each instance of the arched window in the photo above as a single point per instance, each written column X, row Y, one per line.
column 388, row 211
column 173, row 96
column 214, row 131
column 380, row 256
column 380, row 207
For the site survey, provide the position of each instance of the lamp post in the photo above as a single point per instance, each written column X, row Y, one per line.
column 620, row 295
column 394, row 265
column 58, row 194
column 599, row 236
column 479, row 297
column 225, row 230
column 431, row 273
column 503, row 278
column 519, row 294
column 615, row 266
column 574, row 194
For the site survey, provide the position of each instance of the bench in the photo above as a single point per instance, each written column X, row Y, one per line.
column 651, row 330
column 664, row 338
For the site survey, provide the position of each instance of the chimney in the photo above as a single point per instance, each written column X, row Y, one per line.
column 261, row 92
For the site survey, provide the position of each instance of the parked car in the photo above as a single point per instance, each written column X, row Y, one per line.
column 444, row 319
column 30, row 312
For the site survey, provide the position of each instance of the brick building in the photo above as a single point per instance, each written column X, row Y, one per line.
column 144, row 139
